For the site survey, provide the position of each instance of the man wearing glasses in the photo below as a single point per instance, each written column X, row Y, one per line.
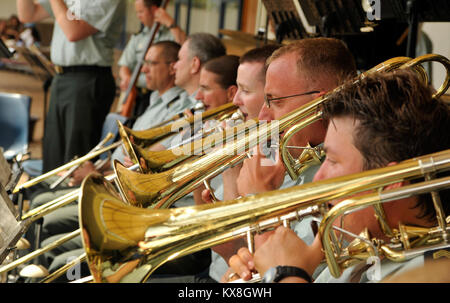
column 296, row 74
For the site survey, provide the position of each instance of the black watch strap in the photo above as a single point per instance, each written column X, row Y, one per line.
column 291, row 271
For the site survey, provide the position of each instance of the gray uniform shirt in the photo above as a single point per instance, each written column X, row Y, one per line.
column 106, row 16
column 137, row 46
column 172, row 102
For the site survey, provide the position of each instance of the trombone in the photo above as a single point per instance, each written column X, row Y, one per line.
column 158, row 161
column 96, row 151
column 161, row 190
column 113, row 231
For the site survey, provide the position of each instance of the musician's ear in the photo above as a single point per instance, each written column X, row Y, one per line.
column 172, row 70
column 196, row 65
column 231, row 91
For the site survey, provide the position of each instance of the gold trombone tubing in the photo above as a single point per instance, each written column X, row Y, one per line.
column 172, row 233
column 357, row 203
column 158, row 161
column 66, row 166
column 39, row 252
column 146, row 138
column 39, row 212
column 399, row 62
column 163, row 189
column 197, row 107
column 60, row 271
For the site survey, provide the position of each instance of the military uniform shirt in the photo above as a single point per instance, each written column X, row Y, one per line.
column 106, row 16
column 136, row 47
column 161, row 108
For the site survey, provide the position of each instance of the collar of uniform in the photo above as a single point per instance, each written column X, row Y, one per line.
column 168, row 96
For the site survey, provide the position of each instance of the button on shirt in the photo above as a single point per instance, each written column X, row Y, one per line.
column 107, row 16
column 137, row 46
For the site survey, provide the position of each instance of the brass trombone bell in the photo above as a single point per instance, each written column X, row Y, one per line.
column 163, row 189
column 114, row 231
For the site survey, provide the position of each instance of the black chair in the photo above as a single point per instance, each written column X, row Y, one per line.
column 14, row 124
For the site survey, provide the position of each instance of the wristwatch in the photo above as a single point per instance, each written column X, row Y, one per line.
column 275, row 274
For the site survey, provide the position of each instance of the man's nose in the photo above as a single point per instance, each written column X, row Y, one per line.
column 265, row 114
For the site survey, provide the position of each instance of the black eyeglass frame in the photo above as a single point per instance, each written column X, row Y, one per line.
column 267, row 100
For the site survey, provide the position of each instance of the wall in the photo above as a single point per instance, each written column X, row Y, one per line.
column 439, row 33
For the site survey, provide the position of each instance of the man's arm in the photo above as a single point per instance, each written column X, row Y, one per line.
column 29, row 11
column 75, row 30
column 165, row 19
column 125, row 77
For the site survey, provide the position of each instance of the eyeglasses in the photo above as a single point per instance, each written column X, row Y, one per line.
column 267, row 100
column 153, row 63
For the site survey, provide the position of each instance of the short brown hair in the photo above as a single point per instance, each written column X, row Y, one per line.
column 259, row 55
column 150, row 3
column 170, row 48
column 225, row 67
column 317, row 57
column 398, row 120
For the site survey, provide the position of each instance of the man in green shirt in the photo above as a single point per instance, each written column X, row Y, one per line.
column 83, row 90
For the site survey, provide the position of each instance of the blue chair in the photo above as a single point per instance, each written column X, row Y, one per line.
column 14, row 124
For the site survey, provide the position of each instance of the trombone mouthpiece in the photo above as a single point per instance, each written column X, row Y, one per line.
column 199, row 106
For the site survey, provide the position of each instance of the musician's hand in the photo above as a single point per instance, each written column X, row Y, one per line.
column 187, row 112
column 259, row 174
column 163, row 17
column 242, row 264
column 206, row 196
column 127, row 162
column 229, row 177
column 81, row 172
column 124, row 82
column 284, row 247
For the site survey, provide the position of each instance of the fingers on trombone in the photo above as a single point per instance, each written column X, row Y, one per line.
column 206, row 196
column 242, row 263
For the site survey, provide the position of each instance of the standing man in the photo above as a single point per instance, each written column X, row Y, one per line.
column 83, row 90
column 148, row 12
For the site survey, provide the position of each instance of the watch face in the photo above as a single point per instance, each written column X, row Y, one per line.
column 269, row 276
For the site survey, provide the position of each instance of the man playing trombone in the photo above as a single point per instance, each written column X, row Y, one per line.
column 385, row 119
column 312, row 67
column 167, row 100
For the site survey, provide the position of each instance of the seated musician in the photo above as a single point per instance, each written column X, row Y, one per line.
column 148, row 12
column 167, row 100
column 303, row 71
column 385, row 119
column 155, row 113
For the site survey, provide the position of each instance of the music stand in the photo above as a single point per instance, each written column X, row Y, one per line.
column 413, row 12
column 286, row 19
column 334, row 17
column 4, row 50
column 11, row 230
